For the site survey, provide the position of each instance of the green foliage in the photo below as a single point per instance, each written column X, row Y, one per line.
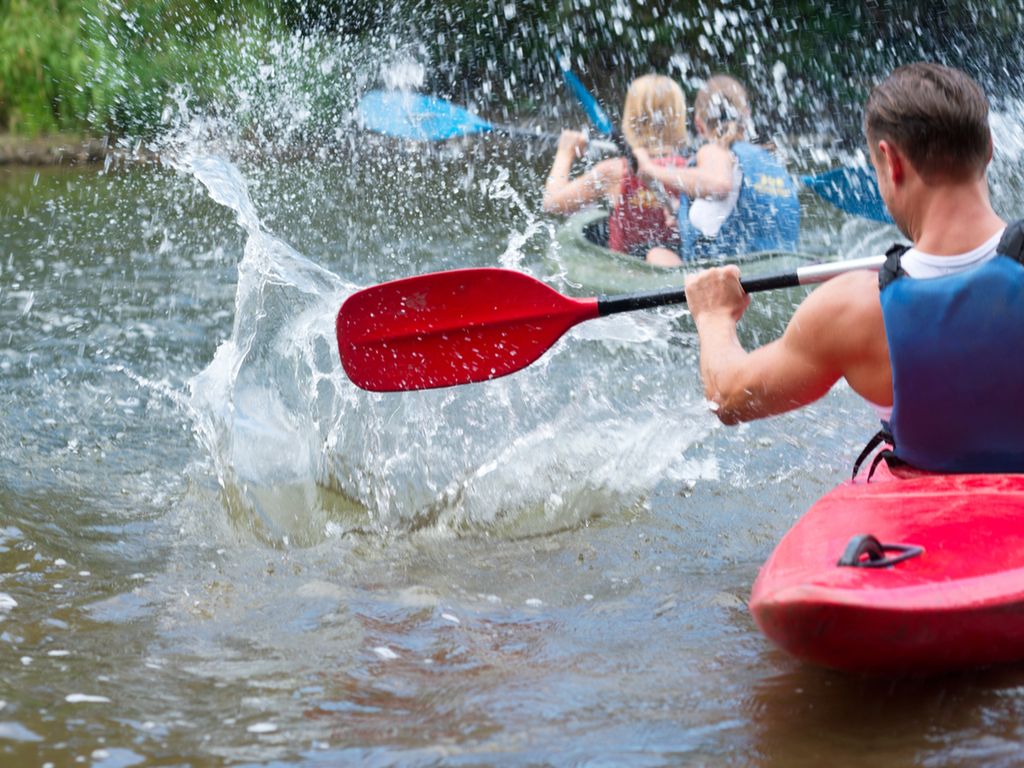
column 34, row 55
column 104, row 65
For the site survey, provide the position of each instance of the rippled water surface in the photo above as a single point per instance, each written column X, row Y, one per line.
column 215, row 550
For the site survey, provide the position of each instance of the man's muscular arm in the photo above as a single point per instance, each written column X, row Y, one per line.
column 821, row 344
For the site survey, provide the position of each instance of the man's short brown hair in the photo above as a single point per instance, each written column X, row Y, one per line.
column 936, row 115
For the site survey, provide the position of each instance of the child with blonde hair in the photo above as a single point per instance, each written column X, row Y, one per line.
column 653, row 121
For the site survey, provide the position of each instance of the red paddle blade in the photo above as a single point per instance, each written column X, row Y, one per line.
column 449, row 328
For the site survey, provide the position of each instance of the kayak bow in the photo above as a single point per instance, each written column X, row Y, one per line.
column 946, row 593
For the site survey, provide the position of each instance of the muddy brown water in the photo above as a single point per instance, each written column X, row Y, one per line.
column 548, row 570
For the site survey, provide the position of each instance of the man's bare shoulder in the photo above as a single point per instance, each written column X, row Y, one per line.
column 853, row 294
column 844, row 311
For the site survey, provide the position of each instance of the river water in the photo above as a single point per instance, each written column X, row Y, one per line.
column 215, row 550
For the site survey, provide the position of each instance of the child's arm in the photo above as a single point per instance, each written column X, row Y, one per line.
column 710, row 177
column 562, row 195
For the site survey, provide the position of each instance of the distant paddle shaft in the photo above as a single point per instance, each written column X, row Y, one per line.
column 472, row 325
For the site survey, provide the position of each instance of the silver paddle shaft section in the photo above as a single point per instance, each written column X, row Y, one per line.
column 819, row 273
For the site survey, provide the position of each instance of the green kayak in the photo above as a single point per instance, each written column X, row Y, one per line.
column 580, row 256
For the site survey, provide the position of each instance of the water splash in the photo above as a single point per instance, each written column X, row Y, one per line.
column 405, row 73
column 1006, row 176
column 298, row 450
column 500, row 190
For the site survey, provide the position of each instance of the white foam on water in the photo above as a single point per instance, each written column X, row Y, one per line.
column 11, row 731
column 262, row 728
column 85, row 698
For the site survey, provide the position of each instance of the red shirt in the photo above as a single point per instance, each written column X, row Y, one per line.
column 638, row 219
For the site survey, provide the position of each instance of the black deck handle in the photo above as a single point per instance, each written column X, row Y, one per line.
column 876, row 551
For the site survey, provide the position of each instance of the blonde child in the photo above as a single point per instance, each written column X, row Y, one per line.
column 653, row 121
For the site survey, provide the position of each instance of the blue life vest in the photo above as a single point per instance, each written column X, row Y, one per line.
column 766, row 216
column 956, row 346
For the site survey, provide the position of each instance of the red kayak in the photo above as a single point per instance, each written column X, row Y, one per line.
column 915, row 574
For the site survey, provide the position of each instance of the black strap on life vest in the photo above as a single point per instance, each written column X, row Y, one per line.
column 883, row 436
column 1012, row 242
column 892, row 267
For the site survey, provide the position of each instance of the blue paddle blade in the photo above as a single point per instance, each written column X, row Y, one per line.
column 854, row 190
column 594, row 111
column 417, row 117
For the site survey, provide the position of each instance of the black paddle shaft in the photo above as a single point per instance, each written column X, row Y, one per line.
column 627, row 302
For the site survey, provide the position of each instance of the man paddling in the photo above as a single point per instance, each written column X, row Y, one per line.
column 950, row 314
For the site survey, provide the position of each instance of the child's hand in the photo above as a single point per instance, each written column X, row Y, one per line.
column 643, row 164
column 573, row 142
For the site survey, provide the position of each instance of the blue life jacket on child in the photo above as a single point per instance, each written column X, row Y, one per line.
column 956, row 346
column 766, row 216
